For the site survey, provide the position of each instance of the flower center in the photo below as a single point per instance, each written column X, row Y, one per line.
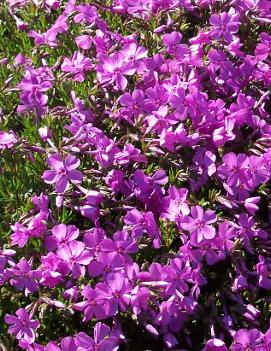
column 116, row 294
column 120, row 250
column 62, row 170
column 199, row 223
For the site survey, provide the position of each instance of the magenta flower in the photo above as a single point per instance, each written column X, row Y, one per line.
column 199, row 223
column 175, row 204
column 67, row 344
column 31, row 347
column 75, row 256
column 246, row 339
column 263, row 49
column 92, row 306
column 115, row 292
column 85, row 13
column 172, row 41
column 226, row 236
column 89, row 208
column 161, row 119
column 62, row 172
column 224, row 133
column 101, row 341
column 204, row 161
column 177, row 100
column 24, row 278
column 257, row 171
column 77, row 66
column 50, row 267
column 84, row 41
column 226, row 24
column 114, row 70
column 143, row 223
column 93, row 240
column 130, row 154
column 134, row 104
column 263, row 270
column 136, row 55
column 215, row 345
column 155, row 117
column 146, row 185
column 32, row 95
column 21, row 235
column 178, row 274
column 62, row 235
column 118, row 250
column 7, row 140
column 22, row 327
column 234, row 168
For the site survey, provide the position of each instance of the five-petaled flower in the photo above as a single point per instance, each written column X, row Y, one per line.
column 22, row 326
column 62, row 172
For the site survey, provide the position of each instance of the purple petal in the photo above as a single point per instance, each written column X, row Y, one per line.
column 75, row 176
column 55, row 161
column 208, row 232
column 71, row 163
column 100, row 332
column 62, row 184
column 187, row 223
column 50, row 176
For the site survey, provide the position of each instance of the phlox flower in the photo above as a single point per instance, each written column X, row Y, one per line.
column 61, row 235
column 245, row 339
column 75, row 256
column 199, row 223
column 62, row 172
column 225, row 24
column 115, row 292
column 234, row 168
column 24, row 278
column 78, row 65
column 102, row 340
column 22, row 326
column 7, row 140
column 91, row 306
column 114, row 70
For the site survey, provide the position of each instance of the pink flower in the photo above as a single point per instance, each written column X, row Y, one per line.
column 62, row 172
column 62, row 235
column 22, row 326
column 115, row 292
column 114, row 70
column 234, row 168
column 75, row 256
column 7, row 140
column 24, row 278
column 77, row 66
column 204, row 161
column 175, row 205
column 84, row 41
column 102, row 340
column 199, row 223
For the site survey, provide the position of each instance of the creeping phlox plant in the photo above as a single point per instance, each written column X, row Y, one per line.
column 135, row 149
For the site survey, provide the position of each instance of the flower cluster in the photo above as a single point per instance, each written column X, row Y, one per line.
column 150, row 143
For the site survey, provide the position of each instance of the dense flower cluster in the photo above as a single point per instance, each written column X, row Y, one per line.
column 155, row 180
